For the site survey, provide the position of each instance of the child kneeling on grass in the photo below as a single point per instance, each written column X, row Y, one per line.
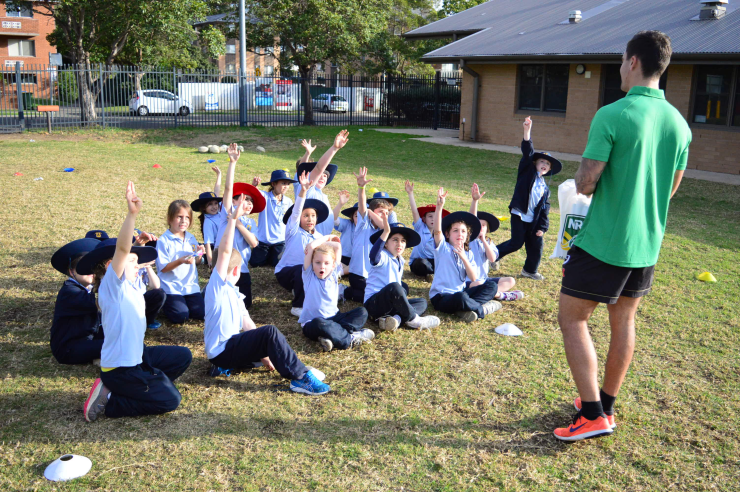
column 454, row 262
column 232, row 341
column 320, row 318
column 134, row 379
column 385, row 297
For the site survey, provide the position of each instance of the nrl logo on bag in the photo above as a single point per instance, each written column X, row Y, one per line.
column 573, row 224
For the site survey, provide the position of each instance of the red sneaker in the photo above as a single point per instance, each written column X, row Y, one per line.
column 96, row 401
column 582, row 428
column 609, row 418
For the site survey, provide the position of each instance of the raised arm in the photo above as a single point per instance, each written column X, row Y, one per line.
column 469, row 269
column 229, row 188
column 475, row 195
column 227, row 241
column 339, row 141
column 343, row 199
column 123, row 243
column 153, row 278
column 527, row 125
column 217, row 185
column 248, row 236
column 378, row 245
column 334, row 242
column 361, row 196
column 438, row 236
column 491, row 254
column 306, row 144
column 412, row 201
column 587, row 176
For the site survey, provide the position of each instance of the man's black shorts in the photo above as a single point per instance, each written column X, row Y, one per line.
column 586, row 277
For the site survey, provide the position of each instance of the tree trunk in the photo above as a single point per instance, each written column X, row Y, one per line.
column 137, row 80
column 305, row 72
column 87, row 93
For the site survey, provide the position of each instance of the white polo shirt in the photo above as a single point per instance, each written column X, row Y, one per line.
column 122, row 309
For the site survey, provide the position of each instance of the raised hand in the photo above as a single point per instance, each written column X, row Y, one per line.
column 527, row 123
column 386, row 224
column 409, row 187
column 335, row 239
column 306, row 144
column 146, row 265
column 475, row 192
column 256, row 181
column 362, row 177
column 233, row 152
column 343, row 197
column 144, row 238
column 441, row 195
column 133, row 201
column 216, row 170
column 305, row 181
column 341, row 139
column 240, row 210
column 460, row 252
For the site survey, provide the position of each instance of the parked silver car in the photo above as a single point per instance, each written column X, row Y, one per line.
column 330, row 102
column 145, row 102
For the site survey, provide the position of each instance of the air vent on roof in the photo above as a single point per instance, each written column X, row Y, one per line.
column 574, row 16
column 713, row 9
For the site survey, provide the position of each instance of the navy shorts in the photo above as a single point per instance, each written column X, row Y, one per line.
column 586, row 277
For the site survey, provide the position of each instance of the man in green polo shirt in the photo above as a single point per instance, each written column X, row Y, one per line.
column 633, row 163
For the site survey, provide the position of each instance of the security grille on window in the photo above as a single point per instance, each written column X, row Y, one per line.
column 19, row 9
column 230, row 68
column 26, row 78
column 613, row 83
column 21, row 47
column 717, row 95
column 543, row 87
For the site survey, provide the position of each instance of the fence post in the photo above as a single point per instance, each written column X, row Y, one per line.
column 351, row 97
column 102, row 96
column 435, row 120
column 19, row 95
column 174, row 91
column 383, row 100
column 242, row 97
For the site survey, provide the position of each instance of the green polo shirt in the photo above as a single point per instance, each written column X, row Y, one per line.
column 644, row 141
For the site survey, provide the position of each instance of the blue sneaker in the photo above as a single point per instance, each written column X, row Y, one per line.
column 216, row 371
column 153, row 325
column 309, row 385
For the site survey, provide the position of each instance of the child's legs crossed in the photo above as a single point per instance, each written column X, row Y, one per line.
column 389, row 301
column 422, row 267
column 353, row 320
column 291, row 279
column 328, row 328
column 505, row 284
column 356, row 290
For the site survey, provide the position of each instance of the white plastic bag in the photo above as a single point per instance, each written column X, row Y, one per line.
column 573, row 210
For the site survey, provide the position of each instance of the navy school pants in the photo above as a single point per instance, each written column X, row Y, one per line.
column 391, row 300
column 154, row 300
column 147, row 389
column 179, row 309
column 291, row 278
column 338, row 328
column 356, row 290
column 245, row 288
column 248, row 347
column 422, row 267
column 469, row 299
column 523, row 234
column 266, row 254
column 82, row 351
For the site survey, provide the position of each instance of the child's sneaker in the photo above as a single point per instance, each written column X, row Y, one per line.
column 309, row 385
column 582, row 428
column 317, row 374
column 326, row 344
column 96, row 401
column 342, row 288
column 533, row 276
column 389, row 323
column 609, row 418
column 514, row 295
column 296, row 311
column 467, row 316
column 496, row 265
column 96, row 362
column 491, row 307
column 423, row 322
column 154, row 325
column 216, row 371
column 360, row 337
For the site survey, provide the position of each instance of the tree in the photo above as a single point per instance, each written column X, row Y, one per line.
column 312, row 31
column 450, row 7
column 99, row 31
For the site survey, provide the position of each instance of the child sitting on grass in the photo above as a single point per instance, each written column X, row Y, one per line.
column 454, row 263
column 320, row 318
column 232, row 340
column 385, row 297
column 530, row 205
column 208, row 204
column 134, row 379
column 346, row 227
column 270, row 228
column 422, row 257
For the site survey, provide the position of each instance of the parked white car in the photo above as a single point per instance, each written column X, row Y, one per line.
column 151, row 101
column 330, row 102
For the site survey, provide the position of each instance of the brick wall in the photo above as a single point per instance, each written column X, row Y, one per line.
column 499, row 122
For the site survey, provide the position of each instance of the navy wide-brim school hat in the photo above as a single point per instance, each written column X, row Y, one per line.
column 104, row 250
column 203, row 199
column 471, row 220
column 493, row 222
column 280, row 175
column 322, row 211
column 308, row 167
column 555, row 165
column 349, row 212
column 412, row 237
column 382, row 195
column 62, row 258
column 97, row 234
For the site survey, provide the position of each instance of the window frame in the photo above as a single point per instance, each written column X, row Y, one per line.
column 734, row 89
column 541, row 111
column 20, row 15
column 20, row 41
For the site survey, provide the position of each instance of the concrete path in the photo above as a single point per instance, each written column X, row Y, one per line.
column 450, row 137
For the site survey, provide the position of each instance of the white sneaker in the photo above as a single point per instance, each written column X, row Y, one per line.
column 389, row 323
column 423, row 322
column 533, row 276
column 296, row 311
column 317, row 374
column 360, row 337
column 326, row 344
column 491, row 307
column 513, row 295
column 342, row 287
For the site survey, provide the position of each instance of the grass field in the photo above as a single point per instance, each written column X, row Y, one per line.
column 458, row 408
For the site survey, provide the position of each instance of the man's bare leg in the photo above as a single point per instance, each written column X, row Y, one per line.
column 622, row 344
column 573, row 318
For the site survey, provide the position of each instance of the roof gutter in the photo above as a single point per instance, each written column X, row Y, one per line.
column 677, row 58
column 476, row 83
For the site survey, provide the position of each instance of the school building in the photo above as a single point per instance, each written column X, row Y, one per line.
column 23, row 40
column 559, row 62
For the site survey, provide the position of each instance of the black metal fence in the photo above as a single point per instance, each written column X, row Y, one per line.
column 136, row 97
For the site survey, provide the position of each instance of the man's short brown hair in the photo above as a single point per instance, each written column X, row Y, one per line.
column 653, row 49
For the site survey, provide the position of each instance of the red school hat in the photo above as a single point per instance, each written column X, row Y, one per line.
column 431, row 208
column 258, row 200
